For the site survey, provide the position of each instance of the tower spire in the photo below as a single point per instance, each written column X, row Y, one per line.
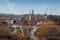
column 32, row 11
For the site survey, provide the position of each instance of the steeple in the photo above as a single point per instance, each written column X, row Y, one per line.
column 30, row 15
column 32, row 11
column 45, row 15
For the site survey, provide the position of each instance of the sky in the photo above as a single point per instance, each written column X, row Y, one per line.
column 25, row 6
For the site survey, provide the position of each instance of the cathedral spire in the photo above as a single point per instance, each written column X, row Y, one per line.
column 32, row 11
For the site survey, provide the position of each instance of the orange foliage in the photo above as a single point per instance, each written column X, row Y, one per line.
column 44, row 28
column 1, row 20
column 4, row 31
column 18, row 35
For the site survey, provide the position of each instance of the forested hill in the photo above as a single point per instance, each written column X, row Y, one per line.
column 9, row 15
column 55, row 18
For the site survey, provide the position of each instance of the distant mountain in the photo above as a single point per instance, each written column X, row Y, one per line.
column 9, row 15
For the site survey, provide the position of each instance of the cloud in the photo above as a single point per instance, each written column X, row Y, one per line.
column 44, row 8
column 15, row 8
column 11, row 8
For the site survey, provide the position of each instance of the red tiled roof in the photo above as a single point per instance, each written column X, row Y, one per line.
column 32, row 22
column 24, row 23
column 39, row 18
column 29, row 22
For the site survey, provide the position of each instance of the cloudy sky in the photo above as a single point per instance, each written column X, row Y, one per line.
column 25, row 6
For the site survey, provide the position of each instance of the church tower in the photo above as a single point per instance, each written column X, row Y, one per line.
column 31, row 15
column 45, row 15
column 32, row 11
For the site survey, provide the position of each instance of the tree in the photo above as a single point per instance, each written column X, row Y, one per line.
column 1, row 20
column 54, row 18
column 17, row 35
column 4, row 31
column 45, row 28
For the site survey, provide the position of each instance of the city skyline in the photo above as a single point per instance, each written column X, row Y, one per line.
column 25, row 6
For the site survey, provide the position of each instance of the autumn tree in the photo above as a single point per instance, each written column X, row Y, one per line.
column 1, row 20
column 45, row 28
column 17, row 35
